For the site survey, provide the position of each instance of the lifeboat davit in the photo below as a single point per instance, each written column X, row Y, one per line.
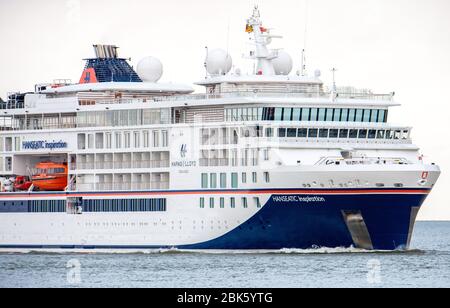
column 50, row 176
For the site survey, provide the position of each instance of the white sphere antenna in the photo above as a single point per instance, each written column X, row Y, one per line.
column 283, row 64
column 218, row 62
column 150, row 69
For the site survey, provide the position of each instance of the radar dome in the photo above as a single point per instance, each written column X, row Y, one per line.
column 218, row 62
column 150, row 69
column 283, row 64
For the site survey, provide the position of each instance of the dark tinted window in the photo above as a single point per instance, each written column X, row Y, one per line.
column 292, row 132
column 334, row 133
column 302, row 132
column 380, row 134
column 343, row 133
column 313, row 132
column 353, row 133
column 362, row 134
column 323, row 133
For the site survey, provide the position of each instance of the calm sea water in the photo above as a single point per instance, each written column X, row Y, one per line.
column 426, row 265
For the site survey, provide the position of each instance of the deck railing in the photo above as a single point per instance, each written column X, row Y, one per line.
column 107, row 186
column 120, row 165
column 237, row 93
column 254, row 94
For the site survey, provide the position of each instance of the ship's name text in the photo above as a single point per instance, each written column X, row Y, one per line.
column 39, row 145
column 299, row 199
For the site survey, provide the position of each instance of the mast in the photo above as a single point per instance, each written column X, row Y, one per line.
column 262, row 38
column 303, row 63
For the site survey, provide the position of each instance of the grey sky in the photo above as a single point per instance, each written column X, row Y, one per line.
column 386, row 45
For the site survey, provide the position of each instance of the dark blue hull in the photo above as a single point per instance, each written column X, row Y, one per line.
column 278, row 225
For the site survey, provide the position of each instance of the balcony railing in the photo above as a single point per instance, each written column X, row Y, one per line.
column 121, row 186
column 214, row 162
column 147, row 164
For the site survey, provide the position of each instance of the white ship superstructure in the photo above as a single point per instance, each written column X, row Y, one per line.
column 268, row 160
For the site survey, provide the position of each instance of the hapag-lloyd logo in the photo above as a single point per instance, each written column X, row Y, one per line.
column 183, row 150
column 44, row 144
column 183, row 163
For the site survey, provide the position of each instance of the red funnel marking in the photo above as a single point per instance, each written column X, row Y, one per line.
column 88, row 76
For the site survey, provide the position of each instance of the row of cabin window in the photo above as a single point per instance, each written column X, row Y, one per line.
column 125, row 205
column 119, row 140
column 33, row 206
column 5, row 164
column 213, row 180
column 47, row 206
column 307, row 114
column 116, row 205
column 343, row 133
column 133, row 117
column 269, row 132
column 232, row 202
column 109, row 118
column 233, row 157
column 9, row 144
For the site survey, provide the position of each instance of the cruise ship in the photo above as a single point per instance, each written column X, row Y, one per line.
column 270, row 159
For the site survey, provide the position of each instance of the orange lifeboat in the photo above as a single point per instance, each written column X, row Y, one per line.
column 50, row 176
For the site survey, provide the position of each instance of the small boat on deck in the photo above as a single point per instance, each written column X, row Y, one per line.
column 50, row 176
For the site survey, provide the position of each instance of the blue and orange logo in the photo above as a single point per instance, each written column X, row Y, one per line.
column 88, row 76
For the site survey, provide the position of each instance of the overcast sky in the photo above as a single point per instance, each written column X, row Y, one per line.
column 386, row 45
